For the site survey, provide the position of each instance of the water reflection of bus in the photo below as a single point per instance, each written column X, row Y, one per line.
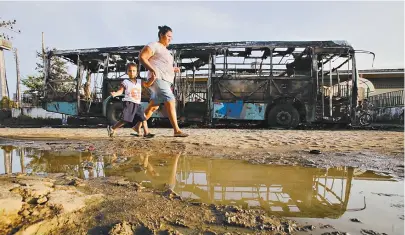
column 289, row 191
column 29, row 160
column 282, row 190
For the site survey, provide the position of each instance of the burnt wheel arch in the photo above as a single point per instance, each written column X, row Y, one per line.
column 114, row 112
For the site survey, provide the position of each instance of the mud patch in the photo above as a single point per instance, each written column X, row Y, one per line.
column 33, row 202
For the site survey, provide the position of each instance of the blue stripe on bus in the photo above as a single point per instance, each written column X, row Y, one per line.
column 69, row 108
column 240, row 111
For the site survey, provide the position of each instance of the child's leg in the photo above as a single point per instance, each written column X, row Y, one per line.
column 145, row 127
column 111, row 130
column 137, row 127
column 118, row 125
column 146, row 130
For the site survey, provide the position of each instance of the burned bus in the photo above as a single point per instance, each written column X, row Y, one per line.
column 279, row 83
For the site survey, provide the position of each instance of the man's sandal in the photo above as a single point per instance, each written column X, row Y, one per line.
column 149, row 135
column 181, row 134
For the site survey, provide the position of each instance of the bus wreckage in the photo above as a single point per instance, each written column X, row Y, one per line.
column 280, row 83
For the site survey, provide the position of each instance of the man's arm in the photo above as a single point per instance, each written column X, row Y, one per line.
column 145, row 55
column 149, row 83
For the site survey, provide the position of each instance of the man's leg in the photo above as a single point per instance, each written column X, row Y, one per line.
column 171, row 113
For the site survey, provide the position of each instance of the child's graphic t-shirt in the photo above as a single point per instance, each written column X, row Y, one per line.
column 133, row 91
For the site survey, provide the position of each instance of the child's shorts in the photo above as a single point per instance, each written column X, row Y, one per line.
column 133, row 112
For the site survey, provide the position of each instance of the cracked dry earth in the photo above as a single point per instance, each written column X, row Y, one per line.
column 61, row 204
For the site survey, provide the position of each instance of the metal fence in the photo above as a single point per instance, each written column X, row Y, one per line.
column 389, row 99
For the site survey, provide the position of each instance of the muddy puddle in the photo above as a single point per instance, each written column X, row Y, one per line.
column 345, row 198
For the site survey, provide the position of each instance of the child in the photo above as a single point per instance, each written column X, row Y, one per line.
column 133, row 111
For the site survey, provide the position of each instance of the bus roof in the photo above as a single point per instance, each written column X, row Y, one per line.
column 210, row 45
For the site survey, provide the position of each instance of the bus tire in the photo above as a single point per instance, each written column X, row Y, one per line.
column 365, row 119
column 114, row 112
column 283, row 115
column 151, row 122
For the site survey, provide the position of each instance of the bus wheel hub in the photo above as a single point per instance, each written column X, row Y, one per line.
column 283, row 118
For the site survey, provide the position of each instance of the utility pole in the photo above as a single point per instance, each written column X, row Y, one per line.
column 3, row 85
column 43, row 48
column 44, row 65
column 5, row 44
column 18, row 78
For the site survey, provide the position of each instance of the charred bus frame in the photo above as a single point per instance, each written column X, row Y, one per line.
column 283, row 83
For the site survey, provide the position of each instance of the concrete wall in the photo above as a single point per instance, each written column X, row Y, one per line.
column 35, row 112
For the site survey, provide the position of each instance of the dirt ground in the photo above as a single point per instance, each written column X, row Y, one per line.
column 153, row 211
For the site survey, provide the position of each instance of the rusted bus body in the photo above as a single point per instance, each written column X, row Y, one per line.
column 283, row 83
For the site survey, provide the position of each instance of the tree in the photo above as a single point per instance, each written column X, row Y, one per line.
column 6, row 103
column 58, row 71
column 9, row 25
column 33, row 83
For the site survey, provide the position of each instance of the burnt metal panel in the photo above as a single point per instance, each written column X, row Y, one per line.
column 261, row 89
column 247, row 89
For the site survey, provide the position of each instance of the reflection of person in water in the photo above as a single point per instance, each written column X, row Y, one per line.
column 144, row 160
column 109, row 161
column 146, row 167
column 86, row 164
column 172, row 179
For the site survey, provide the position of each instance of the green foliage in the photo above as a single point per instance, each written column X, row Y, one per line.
column 6, row 103
column 33, row 83
column 58, row 71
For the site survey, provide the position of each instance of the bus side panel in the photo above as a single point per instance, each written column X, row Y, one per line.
column 249, row 89
column 239, row 111
column 69, row 108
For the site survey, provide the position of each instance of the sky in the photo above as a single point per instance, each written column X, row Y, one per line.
column 367, row 25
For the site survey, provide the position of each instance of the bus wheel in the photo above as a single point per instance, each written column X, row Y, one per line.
column 283, row 115
column 151, row 122
column 114, row 112
column 365, row 119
